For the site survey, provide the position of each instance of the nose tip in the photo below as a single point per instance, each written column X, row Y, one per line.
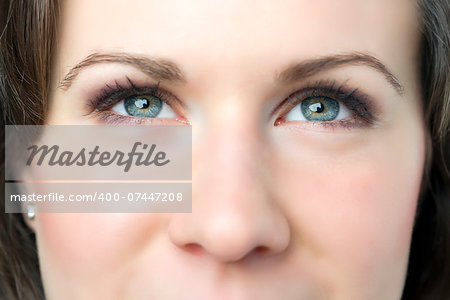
column 236, row 211
column 229, row 238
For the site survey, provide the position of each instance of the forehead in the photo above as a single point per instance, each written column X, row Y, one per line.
column 241, row 33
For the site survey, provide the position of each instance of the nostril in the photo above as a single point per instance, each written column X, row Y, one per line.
column 261, row 250
column 193, row 248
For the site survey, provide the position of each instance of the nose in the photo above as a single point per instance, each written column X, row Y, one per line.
column 235, row 213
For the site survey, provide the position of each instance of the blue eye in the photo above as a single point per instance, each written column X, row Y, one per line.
column 143, row 106
column 318, row 109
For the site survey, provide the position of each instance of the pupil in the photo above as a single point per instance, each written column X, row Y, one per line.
column 143, row 106
column 142, row 103
column 317, row 107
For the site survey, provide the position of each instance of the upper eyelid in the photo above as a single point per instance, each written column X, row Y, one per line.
column 318, row 89
column 120, row 92
column 116, row 94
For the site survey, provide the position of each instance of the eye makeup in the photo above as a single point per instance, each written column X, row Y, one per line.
column 100, row 105
column 363, row 110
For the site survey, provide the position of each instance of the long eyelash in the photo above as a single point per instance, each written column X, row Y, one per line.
column 111, row 95
column 358, row 102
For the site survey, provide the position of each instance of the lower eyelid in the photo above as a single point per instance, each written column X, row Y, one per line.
column 112, row 118
column 340, row 126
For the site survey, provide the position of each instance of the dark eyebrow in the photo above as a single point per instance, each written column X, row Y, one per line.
column 311, row 67
column 158, row 69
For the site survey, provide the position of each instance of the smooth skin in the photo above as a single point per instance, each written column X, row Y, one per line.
column 290, row 210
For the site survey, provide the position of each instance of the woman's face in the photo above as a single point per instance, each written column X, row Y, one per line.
column 308, row 148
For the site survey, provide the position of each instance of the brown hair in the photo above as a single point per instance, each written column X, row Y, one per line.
column 27, row 40
column 28, row 33
column 429, row 262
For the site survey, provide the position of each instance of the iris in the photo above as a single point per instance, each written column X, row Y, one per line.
column 320, row 109
column 146, row 106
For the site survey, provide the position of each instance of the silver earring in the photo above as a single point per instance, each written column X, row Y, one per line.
column 31, row 213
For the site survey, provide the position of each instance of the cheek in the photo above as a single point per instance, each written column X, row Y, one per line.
column 352, row 201
column 90, row 249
